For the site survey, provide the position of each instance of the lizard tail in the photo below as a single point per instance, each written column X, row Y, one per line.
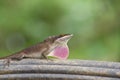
column 4, row 57
column 15, row 56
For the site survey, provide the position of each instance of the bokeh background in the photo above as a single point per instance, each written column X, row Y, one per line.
column 94, row 23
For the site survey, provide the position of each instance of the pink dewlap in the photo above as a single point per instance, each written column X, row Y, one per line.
column 61, row 52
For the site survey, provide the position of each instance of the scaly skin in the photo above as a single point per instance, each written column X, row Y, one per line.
column 53, row 45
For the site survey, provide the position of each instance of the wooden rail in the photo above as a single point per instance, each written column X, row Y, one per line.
column 35, row 69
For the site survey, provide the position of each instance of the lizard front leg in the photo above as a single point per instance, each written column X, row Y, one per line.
column 44, row 56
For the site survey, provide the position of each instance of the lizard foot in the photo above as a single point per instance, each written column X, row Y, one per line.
column 6, row 63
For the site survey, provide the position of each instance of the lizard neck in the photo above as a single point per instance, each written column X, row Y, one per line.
column 61, row 52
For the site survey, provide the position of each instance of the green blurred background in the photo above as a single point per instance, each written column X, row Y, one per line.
column 94, row 23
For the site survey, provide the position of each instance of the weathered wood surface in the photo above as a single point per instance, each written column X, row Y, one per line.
column 35, row 69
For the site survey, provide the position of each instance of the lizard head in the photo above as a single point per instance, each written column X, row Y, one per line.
column 60, row 39
column 59, row 43
column 63, row 39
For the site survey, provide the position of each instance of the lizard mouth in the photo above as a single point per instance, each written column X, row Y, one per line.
column 68, row 37
column 65, row 38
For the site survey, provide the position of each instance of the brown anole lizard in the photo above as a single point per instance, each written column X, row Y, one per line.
column 42, row 49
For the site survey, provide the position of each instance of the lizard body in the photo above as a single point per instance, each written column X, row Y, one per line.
column 42, row 49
